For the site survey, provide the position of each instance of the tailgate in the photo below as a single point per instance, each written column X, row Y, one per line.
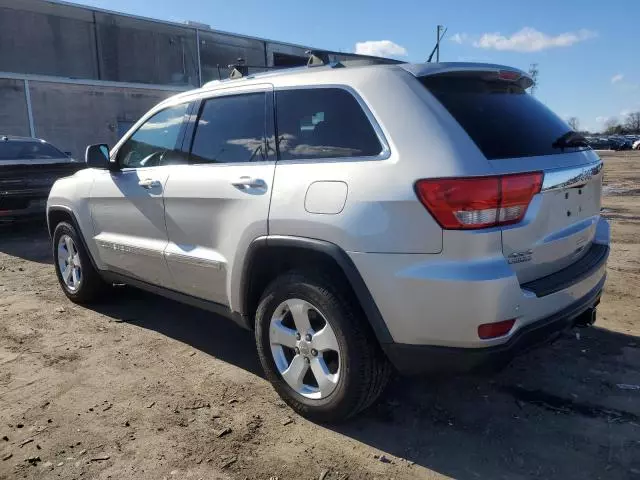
column 560, row 223
column 516, row 133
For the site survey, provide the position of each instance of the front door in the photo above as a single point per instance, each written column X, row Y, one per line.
column 219, row 203
column 126, row 204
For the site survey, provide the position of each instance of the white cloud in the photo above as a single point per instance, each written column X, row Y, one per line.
column 617, row 78
column 459, row 38
column 380, row 48
column 602, row 119
column 531, row 40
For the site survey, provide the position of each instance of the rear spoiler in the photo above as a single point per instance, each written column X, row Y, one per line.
column 501, row 72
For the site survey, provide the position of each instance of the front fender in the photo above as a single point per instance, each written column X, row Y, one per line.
column 71, row 195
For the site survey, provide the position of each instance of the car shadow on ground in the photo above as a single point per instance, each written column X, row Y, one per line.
column 28, row 240
column 568, row 410
column 203, row 330
column 556, row 412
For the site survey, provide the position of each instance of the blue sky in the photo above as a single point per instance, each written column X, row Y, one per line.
column 586, row 51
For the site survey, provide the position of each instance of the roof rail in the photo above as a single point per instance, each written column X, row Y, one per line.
column 317, row 58
column 239, row 69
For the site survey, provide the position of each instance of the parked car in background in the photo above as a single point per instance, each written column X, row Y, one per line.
column 28, row 169
column 620, row 143
column 599, row 143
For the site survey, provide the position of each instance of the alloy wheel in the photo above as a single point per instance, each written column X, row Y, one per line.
column 305, row 349
column 69, row 263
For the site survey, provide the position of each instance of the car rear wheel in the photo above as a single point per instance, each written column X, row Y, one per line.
column 79, row 280
column 316, row 350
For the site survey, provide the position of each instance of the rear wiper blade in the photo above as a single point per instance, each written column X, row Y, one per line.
column 570, row 139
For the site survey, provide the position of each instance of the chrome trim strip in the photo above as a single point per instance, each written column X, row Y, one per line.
column 570, row 177
column 196, row 261
column 119, row 247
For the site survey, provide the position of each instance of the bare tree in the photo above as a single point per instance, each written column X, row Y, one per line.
column 632, row 123
column 612, row 126
column 574, row 123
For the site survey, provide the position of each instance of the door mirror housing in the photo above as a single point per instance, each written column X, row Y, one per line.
column 97, row 156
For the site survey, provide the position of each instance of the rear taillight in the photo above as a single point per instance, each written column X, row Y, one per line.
column 479, row 202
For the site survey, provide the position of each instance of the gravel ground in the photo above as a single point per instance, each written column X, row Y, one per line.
column 142, row 387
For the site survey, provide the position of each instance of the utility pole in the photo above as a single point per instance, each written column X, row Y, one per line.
column 436, row 48
column 533, row 73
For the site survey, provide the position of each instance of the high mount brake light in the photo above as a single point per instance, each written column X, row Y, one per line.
column 508, row 75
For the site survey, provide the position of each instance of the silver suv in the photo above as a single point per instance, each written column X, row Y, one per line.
column 431, row 218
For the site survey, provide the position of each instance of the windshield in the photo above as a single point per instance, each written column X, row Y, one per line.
column 28, row 150
column 500, row 117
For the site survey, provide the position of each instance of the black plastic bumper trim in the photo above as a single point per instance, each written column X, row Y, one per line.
column 574, row 273
column 429, row 359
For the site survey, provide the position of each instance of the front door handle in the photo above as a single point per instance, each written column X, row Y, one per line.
column 249, row 182
column 149, row 183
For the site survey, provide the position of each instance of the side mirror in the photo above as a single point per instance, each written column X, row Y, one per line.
column 97, row 156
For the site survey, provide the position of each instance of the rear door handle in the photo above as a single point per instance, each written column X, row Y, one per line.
column 248, row 182
column 149, row 183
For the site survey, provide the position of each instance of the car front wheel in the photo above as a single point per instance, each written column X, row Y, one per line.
column 79, row 280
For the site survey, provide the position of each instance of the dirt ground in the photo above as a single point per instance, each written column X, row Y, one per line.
column 146, row 388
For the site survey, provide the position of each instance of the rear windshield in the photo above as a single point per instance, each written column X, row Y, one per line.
column 500, row 117
column 26, row 150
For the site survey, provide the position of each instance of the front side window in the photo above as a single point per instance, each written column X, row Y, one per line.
column 155, row 142
column 323, row 123
column 231, row 129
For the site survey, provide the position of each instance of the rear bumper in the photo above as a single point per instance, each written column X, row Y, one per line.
column 432, row 305
column 420, row 359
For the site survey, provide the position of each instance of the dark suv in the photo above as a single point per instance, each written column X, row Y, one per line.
column 28, row 169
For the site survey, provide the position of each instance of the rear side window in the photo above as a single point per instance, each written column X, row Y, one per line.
column 27, row 150
column 323, row 123
column 500, row 117
column 231, row 129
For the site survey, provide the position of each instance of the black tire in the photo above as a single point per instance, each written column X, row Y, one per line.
column 92, row 287
column 364, row 369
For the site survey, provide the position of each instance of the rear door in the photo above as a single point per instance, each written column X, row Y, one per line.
column 219, row 203
column 517, row 133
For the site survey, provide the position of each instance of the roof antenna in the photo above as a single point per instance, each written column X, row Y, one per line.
column 239, row 69
column 436, row 48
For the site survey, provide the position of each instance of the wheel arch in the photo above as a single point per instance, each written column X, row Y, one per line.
column 61, row 213
column 270, row 256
